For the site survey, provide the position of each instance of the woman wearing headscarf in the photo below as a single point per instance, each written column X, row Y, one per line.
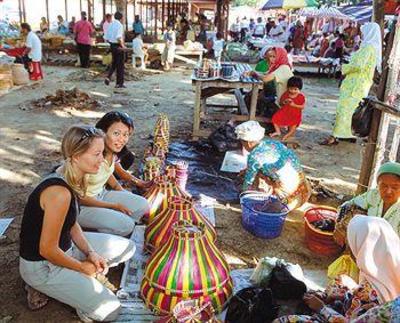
column 375, row 247
column 274, row 79
column 382, row 202
column 358, row 80
column 271, row 166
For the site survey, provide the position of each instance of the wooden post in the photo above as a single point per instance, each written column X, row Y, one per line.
column 80, row 5
column 66, row 9
column 371, row 156
column 104, row 8
column 395, row 143
column 23, row 10
column 196, row 111
column 156, row 19
column 20, row 12
column 162, row 15
column 253, row 102
column 126, row 15
column 47, row 12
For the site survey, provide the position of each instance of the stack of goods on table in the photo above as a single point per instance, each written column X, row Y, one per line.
column 185, row 273
column 207, row 69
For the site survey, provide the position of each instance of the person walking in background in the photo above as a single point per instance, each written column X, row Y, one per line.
column 106, row 23
column 259, row 29
column 32, row 55
column 244, row 28
column 71, row 25
column 358, row 80
column 115, row 36
column 138, row 26
column 83, row 29
column 168, row 55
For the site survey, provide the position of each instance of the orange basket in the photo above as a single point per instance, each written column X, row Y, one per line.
column 318, row 241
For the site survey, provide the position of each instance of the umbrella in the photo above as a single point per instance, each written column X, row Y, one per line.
column 323, row 13
column 289, row 4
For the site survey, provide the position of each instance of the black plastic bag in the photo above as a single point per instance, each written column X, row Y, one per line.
column 284, row 285
column 252, row 305
column 224, row 138
column 362, row 117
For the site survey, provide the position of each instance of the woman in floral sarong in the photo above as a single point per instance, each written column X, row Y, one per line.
column 359, row 75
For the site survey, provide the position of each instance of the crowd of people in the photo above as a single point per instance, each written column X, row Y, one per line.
column 327, row 39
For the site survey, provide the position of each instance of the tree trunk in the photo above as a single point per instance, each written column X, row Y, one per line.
column 121, row 7
column 379, row 12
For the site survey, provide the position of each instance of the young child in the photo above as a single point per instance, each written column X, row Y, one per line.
column 292, row 104
column 218, row 46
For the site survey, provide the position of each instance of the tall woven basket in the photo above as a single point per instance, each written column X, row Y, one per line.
column 189, row 266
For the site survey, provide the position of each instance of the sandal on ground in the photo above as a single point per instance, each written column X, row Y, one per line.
column 331, row 141
column 36, row 300
column 351, row 140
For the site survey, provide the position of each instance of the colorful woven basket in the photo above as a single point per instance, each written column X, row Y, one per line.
column 163, row 188
column 161, row 132
column 318, row 241
column 178, row 169
column 179, row 208
column 188, row 266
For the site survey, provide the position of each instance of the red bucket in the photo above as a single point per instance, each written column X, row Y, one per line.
column 318, row 241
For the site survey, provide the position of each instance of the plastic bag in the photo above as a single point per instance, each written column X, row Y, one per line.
column 252, row 305
column 286, row 282
column 362, row 117
column 344, row 265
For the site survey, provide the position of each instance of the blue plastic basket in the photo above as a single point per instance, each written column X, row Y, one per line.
column 263, row 215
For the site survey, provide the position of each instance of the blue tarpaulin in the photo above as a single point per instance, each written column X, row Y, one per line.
column 361, row 13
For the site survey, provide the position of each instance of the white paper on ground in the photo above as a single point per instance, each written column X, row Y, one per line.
column 234, row 162
column 4, row 223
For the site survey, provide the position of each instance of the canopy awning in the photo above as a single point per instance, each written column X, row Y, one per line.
column 289, row 4
column 323, row 13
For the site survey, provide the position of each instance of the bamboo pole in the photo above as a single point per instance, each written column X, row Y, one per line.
column 20, row 11
column 23, row 10
column 47, row 12
column 66, row 9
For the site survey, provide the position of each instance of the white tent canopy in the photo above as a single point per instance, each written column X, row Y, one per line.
column 323, row 13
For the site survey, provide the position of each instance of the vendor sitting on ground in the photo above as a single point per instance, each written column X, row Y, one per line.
column 57, row 259
column 383, row 202
column 272, row 166
column 112, row 210
column 33, row 53
column 275, row 80
column 375, row 247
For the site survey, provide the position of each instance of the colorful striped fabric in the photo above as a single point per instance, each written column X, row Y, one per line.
column 163, row 188
column 188, row 266
column 179, row 208
column 289, row 4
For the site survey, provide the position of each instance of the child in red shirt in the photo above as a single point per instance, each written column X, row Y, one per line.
column 292, row 104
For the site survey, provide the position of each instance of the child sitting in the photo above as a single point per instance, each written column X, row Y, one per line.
column 292, row 104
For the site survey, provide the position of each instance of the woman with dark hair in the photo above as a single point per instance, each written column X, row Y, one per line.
column 112, row 210
column 57, row 259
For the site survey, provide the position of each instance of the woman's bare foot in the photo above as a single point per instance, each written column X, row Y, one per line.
column 36, row 300
column 275, row 134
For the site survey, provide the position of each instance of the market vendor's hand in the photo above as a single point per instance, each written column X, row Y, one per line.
column 288, row 101
column 122, row 208
column 144, row 185
column 313, row 302
column 88, row 268
column 99, row 262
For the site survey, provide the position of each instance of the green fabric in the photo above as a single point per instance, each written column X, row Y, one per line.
column 389, row 168
column 270, row 87
column 262, row 66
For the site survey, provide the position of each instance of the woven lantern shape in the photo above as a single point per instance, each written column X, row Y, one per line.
column 179, row 208
column 152, row 168
column 188, row 266
column 179, row 169
column 163, row 188
column 161, row 128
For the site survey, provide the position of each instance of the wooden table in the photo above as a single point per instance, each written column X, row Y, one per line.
column 205, row 89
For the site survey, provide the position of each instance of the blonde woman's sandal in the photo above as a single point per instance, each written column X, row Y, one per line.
column 36, row 300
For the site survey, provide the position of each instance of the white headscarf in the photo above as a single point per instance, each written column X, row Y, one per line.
column 376, row 248
column 372, row 35
column 250, row 131
column 264, row 50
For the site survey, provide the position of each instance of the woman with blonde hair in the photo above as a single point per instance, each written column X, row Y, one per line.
column 57, row 259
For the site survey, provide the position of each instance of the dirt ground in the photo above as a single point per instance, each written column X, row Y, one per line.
column 29, row 148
